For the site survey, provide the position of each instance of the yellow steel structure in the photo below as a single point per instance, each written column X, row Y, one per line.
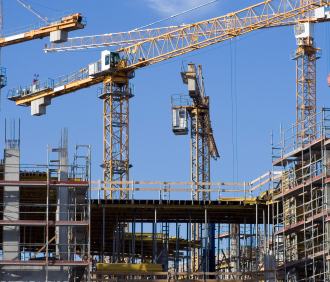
column 159, row 48
column 124, row 39
column 117, row 39
column 67, row 23
column 191, row 37
column 116, row 94
column 203, row 147
column 305, row 56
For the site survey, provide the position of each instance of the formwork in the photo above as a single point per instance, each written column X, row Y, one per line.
column 301, row 204
column 153, row 227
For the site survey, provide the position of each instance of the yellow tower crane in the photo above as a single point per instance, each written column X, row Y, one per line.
column 115, row 69
column 203, row 147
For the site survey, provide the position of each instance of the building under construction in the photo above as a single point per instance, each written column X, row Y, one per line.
column 59, row 224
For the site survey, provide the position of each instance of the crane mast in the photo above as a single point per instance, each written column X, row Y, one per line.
column 116, row 93
column 306, row 56
column 115, row 69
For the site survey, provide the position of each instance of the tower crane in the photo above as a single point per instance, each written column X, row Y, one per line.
column 203, row 147
column 115, row 69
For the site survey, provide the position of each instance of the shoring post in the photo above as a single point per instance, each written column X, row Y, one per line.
column 133, row 240
column 176, row 260
column 47, row 216
column 154, row 238
column 188, row 249
column 256, row 228
column 265, row 229
column 141, row 235
column 189, row 238
column 103, row 233
column 206, row 232
column 90, row 259
column 268, row 226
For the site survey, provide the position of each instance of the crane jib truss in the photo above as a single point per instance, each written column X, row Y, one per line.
column 187, row 39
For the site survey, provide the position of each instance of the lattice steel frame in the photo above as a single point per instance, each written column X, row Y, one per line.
column 306, row 56
column 116, row 95
column 200, row 156
column 200, row 172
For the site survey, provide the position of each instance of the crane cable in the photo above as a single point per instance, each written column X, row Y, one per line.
column 29, row 8
column 327, row 38
column 234, row 115
column 1, row 30
column 176, row 15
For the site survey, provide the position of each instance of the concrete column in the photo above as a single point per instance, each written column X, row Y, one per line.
column 62, row 212
column 11, row 234
column 235, row 246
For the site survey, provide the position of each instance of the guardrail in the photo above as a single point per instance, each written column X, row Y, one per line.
column 288, row 138
column 165, row 190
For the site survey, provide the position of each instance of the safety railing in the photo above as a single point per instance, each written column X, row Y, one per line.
column 164, row 190
column 107, row 90
column 75, row 76
column 50, row 84
column 179, row 100
column 290, row 139
column 33, row 89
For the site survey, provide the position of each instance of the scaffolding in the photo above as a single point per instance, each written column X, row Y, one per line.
column 146, row 235
column 301, row 198
column 45, row 216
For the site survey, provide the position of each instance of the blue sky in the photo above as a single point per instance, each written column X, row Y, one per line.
column 263, row 88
